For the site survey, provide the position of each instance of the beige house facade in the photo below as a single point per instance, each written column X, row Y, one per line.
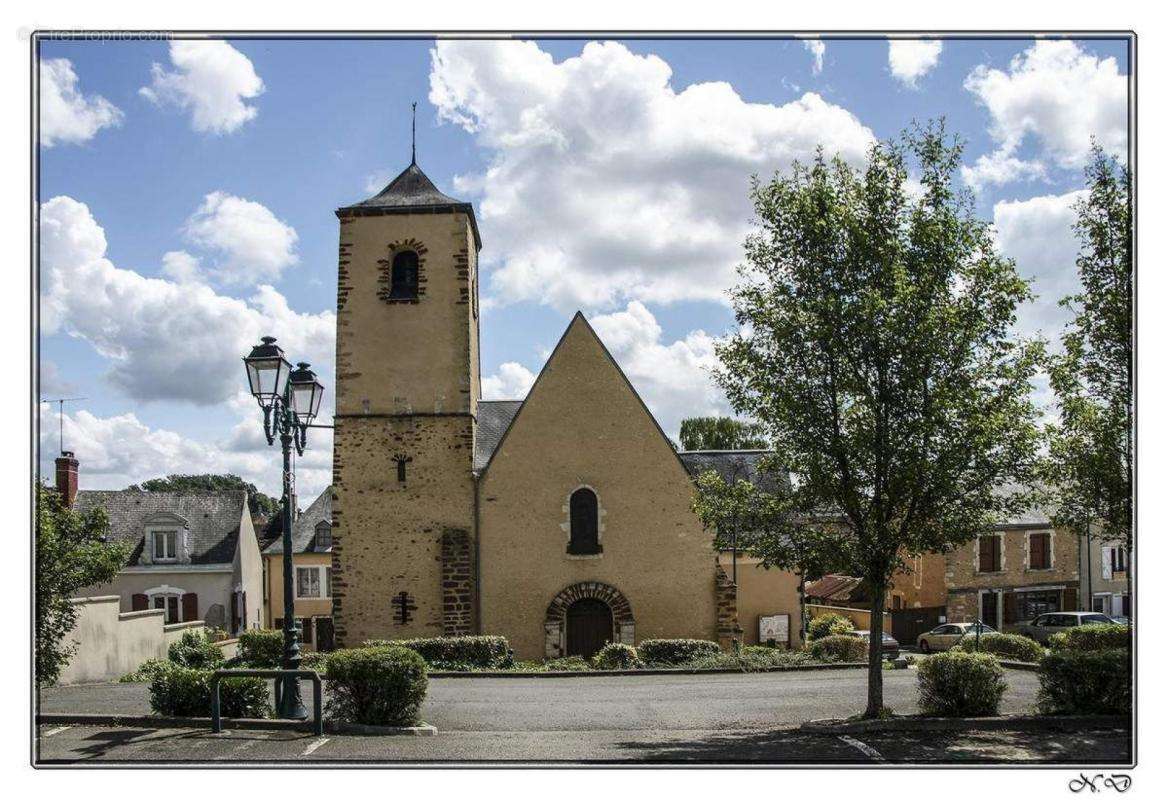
column 312, row 562
column 1106, row 577
column 561, row 520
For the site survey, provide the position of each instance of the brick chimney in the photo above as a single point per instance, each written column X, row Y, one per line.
column 67, row 477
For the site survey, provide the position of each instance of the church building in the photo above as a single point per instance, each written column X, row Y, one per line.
column 561, row 520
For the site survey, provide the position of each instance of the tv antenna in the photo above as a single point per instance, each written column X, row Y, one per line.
column 61, row 401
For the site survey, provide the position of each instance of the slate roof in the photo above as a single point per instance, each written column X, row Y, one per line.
column 213, row 518
column 733, row 465
column 304, row 528
column 412, row 192
column 494, row 418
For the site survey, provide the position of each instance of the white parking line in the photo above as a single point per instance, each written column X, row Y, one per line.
column 312, row 748
column 867, row 750
column 55, row 731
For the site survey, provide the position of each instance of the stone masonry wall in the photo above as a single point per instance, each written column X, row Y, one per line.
column 457, row 583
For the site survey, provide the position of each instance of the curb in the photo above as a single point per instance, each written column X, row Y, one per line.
column 1017, row 723
column 598, row 673
column 139, row 720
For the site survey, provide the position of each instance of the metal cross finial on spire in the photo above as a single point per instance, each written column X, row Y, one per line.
column 414, row 133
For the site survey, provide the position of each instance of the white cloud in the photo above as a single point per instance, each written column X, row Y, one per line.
column 605, row 184
column 253, row 245
column 119, row 450
column 510, row 382
column 66, row 115
column 817, row 48
column 674, row 379
column 1060, row 95
column 1038, row 233
column 912, row 59
column 182, row 267
column 211, row 79
column 998, row 168
column 164, row 340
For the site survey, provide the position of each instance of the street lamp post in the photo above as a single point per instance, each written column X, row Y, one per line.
column 290, row 399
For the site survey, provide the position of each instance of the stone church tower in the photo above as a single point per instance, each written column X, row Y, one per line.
column 407, row 396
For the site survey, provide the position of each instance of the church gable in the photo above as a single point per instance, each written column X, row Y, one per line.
column 583, row 400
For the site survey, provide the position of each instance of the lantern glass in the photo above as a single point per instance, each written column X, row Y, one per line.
column 267, row 371
column 306, row 393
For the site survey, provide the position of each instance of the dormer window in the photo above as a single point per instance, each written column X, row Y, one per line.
column 165, row 545
column 404, row 276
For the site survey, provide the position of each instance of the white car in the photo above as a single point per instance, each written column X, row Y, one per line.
column 943, row 637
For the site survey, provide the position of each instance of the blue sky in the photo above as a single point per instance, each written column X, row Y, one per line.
column 610, row 178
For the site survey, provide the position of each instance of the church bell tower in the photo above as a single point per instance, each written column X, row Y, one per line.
column 407, row 371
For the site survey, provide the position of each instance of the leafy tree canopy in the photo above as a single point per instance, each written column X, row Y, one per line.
column 876, row 351
column 258, row 502
column 71, row 553
column 1090, row 464
column 721, row 433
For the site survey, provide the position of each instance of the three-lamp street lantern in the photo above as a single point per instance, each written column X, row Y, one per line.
column 290, row 399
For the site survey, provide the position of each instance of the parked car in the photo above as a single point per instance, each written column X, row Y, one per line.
column 942, row 637
column 1122, row 620
column 1042, row 627
column 889, row 647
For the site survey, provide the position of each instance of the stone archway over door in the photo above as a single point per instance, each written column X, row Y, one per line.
column 557, row 620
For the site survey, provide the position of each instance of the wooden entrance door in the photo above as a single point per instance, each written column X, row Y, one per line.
column 589, row 627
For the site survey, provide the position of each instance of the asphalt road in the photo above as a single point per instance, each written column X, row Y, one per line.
column 748, row 718
column 749, row 701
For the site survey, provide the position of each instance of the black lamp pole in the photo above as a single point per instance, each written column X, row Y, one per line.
column 290, row 400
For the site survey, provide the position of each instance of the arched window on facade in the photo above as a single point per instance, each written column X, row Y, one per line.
column 585, row 523
column 404, row 276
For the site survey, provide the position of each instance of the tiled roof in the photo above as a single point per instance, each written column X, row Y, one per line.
column 833, row 587
column 304, row 528
column 494, row 418
column 734, row 465
column 213, row 518
column 411, row 192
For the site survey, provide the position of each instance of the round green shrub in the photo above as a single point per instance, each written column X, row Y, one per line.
column 673, row 652
column 375, row 685
column 1085, row 682
column 567, row 664
column 839, row 648
column 195, row 650
column 177, row 691
column 455, row 653
column 261, row 648
column 146, row 671
column 1008, row 646
column 960, row 684
column 828, row 625
column 314, row 660
column 1085, row 638
column 615, row 655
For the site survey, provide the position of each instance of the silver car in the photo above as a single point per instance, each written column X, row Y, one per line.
column 1042, row 627
column 945, row 636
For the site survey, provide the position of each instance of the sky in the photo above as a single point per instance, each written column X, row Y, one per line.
column 187, row 191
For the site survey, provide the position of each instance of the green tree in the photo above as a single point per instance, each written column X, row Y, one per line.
column 876, row 351
column 721, row 433
column 258, row 502
column 1090, row 465
column 71, row 553
column 759, row 523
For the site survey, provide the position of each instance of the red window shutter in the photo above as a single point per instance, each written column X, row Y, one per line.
column 306, row 627
column 1035, row 551
column 139, row 602
column 171, row 609
column 984, row 554
column 234, row 611
column 996, row 544
column 1046, row 564
column 190, row 607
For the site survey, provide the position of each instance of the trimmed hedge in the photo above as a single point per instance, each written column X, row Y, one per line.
column 676, row 651
column 455, row 652
column 960, row 684
column 177, row 691
column 1088, row 638
column 261, row 648
column 376, row 685
column 829, row 625
column 615, row 655
column 195, row 650
column 1009, row 646
column 839, row 648
column 315, row 660
column 1085, row 682
column 146, row 671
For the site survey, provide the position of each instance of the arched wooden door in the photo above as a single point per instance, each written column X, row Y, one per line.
column 590, row 627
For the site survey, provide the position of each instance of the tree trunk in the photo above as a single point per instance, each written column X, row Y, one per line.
column 876, row 655
column 802, row 615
